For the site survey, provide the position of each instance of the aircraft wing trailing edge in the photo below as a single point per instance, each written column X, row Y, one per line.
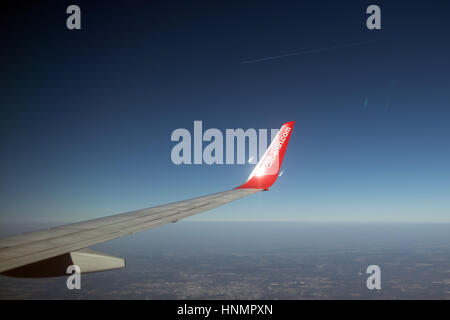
column 48, row 253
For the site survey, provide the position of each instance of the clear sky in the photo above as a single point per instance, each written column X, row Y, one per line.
column 86, row 116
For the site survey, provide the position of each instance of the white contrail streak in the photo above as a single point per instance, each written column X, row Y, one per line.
column 298, row 53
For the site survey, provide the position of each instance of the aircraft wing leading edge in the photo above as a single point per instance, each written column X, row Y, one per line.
column 48, row 253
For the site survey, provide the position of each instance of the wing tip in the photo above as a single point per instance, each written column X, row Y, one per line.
column 266, row 171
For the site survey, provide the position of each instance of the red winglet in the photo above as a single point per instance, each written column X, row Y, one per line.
column 268, row 168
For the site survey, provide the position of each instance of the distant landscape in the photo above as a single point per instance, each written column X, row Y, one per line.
column 261, row 260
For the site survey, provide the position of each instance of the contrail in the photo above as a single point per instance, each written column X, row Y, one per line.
column 298, row 53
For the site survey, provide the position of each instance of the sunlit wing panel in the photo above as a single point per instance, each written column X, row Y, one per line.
column 35, row 246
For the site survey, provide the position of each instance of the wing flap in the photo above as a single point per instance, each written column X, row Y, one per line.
column 86, row 260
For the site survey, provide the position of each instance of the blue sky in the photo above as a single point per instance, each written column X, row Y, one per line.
column 87, row 115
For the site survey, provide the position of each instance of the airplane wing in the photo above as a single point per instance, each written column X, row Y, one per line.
column 48, row 253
